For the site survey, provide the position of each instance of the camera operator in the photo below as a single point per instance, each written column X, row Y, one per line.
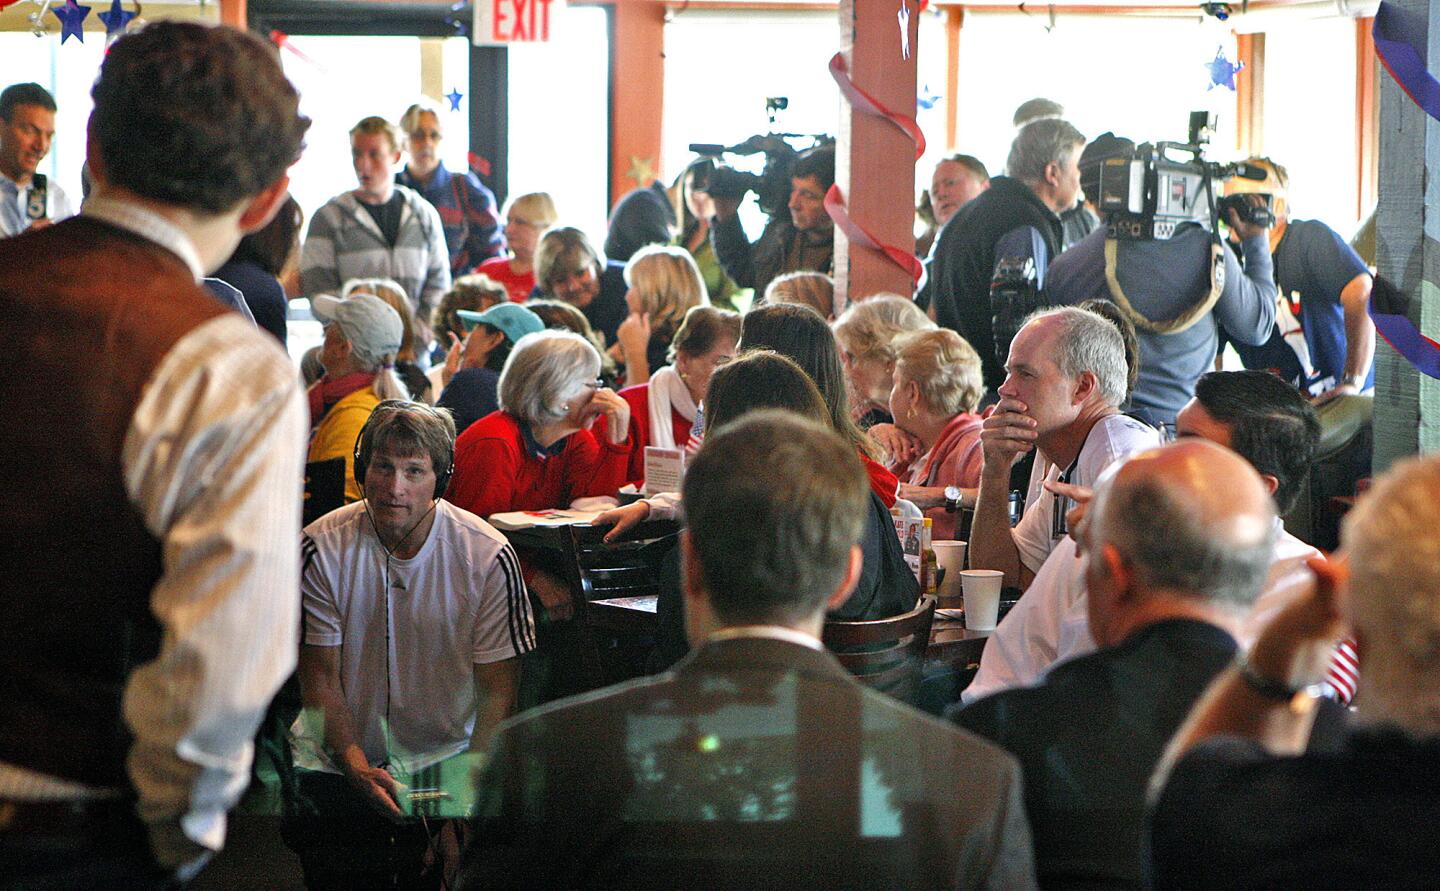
column 803, row 241
column 1016, row 218
column 1171, row 289
column 1326, row 277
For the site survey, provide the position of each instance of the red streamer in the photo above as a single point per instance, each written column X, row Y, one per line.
column 835, row 202
column 872, row 106
column 858, row 234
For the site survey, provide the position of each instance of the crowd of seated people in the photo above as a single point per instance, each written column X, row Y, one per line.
column 471, row 369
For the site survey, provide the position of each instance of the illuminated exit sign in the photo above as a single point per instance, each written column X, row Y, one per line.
column 503, row 22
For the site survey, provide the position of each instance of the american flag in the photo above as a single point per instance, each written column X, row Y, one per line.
column 1344, row 673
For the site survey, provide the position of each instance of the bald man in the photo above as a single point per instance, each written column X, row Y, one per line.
column 1167, row 594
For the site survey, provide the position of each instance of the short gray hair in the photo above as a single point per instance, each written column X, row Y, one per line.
column 1395, row 562
column 1172, row 545
column 1040, row 144
column 1090, row 342
column 545, row 371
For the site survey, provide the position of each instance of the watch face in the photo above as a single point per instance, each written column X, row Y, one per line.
column 952, row 493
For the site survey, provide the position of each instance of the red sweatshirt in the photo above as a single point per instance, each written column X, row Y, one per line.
column 639, row 398
column 495, row 470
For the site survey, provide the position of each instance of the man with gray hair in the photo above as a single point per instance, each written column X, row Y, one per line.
column 1061, row 398
column 1176, row 545
column 1017, row 218
column 1244, row 804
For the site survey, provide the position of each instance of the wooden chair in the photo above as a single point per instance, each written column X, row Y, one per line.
column 885, row 654
column 628, row 568
column 324, row 488
column 603, row 570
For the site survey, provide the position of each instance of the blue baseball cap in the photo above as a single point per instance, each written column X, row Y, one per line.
column 511, row 319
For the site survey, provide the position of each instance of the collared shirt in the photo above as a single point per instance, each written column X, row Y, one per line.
column 533, row 446
column 772, row 632
column 14, row 199
column 212, row 461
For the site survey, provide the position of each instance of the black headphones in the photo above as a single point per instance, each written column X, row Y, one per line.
column 387, row 407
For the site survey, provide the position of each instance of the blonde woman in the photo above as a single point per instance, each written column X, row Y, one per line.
column 813, row 289
column 866, row 332
column 525, row 218
column 938, row 386
column 664, row 285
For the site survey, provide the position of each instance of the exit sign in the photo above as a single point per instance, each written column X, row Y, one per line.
column 503, row 22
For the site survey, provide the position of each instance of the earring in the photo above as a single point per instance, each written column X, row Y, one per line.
column 565, row 407
column 684, row 376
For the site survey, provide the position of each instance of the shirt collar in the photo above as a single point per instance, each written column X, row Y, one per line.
column 533, row 446
column 148, row 225
column 771, row 632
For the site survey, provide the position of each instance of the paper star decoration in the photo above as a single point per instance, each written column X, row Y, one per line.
column 116, row 19
column 642, row 170
column 70, row 16
column 1222, row 71
column 454, row 95
column 5, row 3
column 927, row 98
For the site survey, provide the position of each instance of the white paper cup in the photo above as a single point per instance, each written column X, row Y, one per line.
column 950, row 555
column 982, row 597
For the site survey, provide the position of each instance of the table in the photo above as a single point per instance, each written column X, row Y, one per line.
column 950, row 640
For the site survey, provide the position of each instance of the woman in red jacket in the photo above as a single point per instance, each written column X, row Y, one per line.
column 663, row 410
column 539, row 451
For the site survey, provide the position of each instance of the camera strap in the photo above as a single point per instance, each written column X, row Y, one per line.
column 1187, row 318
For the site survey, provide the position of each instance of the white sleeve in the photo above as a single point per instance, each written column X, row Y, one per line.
column 213, row 460
column 321, row 615
column 1024, row 644
column 664, row 505
column 504, row 626
column 1033, row 538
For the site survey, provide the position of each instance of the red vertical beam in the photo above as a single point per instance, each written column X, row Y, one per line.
column 1367, row 118
column 870, row 39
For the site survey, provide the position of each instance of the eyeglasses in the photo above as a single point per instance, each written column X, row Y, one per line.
column 433, row 135
column 597, row 384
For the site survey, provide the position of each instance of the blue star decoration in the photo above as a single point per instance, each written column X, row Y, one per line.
column 1222, row 71
column 117, row 19
column 70, row 16
column 927, row 98
column 454, row 95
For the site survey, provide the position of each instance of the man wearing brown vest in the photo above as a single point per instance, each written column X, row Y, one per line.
column 152, row 453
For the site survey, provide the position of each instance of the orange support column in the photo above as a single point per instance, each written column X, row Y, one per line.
column 1367, row 117
column 874, row 160
column 637, row 94
column 234, row 13
column 1250, row 94
column 954, row 21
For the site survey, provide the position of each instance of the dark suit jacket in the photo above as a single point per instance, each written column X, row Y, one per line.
column 755, row 763
column 1089, row 738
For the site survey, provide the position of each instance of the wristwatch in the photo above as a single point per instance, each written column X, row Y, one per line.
column 952, row 498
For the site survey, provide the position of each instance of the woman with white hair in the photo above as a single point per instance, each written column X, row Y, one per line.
column 665, row 284
column 866, row 332
column 539, row 451
column 363, row 334
column 937, row 388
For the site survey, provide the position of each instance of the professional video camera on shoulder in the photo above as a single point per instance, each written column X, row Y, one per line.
column 1149, row 194
column 772, row 185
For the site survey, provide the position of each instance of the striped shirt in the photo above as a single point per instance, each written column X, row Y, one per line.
column 407, row 658
column 344, row 242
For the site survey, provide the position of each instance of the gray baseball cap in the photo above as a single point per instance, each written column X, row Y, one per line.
column 369, row 323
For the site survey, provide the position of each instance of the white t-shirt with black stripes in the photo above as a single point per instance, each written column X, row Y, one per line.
column 406, row 661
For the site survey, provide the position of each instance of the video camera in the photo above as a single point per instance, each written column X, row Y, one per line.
column 1148, row 195
column 772, row 185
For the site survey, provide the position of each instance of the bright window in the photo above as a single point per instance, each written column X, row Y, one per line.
column 1138, row 77
column 337, row 89
column 1310, row 117
column 68, row 72
column 560, row 119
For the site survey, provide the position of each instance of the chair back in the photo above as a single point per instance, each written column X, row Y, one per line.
column 628, row 568
column 324, row 488
column 885, row 654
